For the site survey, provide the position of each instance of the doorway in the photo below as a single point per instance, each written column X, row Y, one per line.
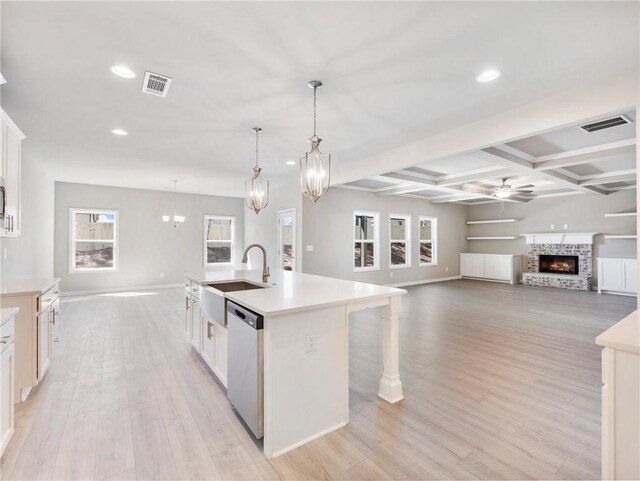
column 287, row 239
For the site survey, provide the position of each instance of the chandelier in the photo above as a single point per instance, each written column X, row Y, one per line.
column 177, row 219
column 315, row 166
column 257, row 188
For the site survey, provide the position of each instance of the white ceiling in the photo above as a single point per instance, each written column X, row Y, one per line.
column 393, row 73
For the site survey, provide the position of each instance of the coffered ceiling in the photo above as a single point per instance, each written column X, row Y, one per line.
column 394, row 72
column 561, row 162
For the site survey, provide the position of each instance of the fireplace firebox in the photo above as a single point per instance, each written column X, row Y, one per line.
column 560, row 264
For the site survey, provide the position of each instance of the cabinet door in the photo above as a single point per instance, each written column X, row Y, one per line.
column 196, row 325
column 492, row 266
column 7, row 381
column 472, row 265
column 611, row 275
column 208, row 341
column 220, row 339
column 506, row 268
column 12, row 182
column 44, row 342
column 631, row 275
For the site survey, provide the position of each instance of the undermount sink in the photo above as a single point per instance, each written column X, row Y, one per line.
column 213, row 302
column 236, row 286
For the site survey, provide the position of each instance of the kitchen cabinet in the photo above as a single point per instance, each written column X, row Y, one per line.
column 618, row 276
column 491, row 267
column 214, row 347
column 7, row 376
column 35, row 333
column 620, row 399
column 192, row 315
column 10, row 173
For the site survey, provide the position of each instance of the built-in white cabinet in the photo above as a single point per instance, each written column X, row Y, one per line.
column 7, row 376
column 214, row 347
column 11, row 138
column 208, row 338
column 618, row 276
column 491, row 267
column 35, row 332
column 620, row 399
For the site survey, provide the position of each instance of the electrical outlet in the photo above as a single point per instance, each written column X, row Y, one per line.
column 4, row 254
column 565, row 227
column 310, row 343
column 162, row 275
column 309, row 248
column 446, row 269
column 553, row 227
column 390, row 273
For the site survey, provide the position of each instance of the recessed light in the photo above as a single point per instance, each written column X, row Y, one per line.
column 119, row 132
column 122, row 71
column 291, row 162
column 488, row 76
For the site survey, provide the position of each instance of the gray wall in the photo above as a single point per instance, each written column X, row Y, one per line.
column 30, row 256
column 582, row 213
column 328, row 226
column 147, row 246
column 262, row 228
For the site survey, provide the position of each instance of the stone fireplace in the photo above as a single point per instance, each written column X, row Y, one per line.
column 563, row 261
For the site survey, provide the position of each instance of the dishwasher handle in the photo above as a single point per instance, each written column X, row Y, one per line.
column 245, row 315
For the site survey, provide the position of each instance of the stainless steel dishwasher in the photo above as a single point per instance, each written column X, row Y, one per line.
column 245, row 386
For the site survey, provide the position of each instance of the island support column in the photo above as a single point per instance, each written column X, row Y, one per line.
column 390, row 385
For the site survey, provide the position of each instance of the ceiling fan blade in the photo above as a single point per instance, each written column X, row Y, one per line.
column 518, row 191
column 528, row 186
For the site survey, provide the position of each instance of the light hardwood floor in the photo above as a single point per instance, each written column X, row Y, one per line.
column 501, row 382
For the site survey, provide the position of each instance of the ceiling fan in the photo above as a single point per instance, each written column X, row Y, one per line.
column 505, row 190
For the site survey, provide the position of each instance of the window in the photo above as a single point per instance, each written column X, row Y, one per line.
column 93, row 240
column 428, row 241
column 365, row 237
column 399, row 241
column 219, row 240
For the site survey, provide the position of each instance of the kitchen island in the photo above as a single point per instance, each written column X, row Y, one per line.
column 306, row 348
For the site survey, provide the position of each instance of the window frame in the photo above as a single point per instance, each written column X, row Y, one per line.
column 433, row 240
column 73, row 269
column 375, row 241
column 232, row 218
column 406, row 241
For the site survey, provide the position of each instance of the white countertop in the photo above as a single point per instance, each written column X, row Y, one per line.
column 7, row 313
column 27, row 286
column 294, row 291
column 624, row 335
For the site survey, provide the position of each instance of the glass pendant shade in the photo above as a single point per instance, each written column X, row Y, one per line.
column 256, row 189
column 256, row 192
column 315, row 167
column 315, row 170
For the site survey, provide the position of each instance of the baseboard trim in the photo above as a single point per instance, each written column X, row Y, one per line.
column 119, row 289
column 424, row 281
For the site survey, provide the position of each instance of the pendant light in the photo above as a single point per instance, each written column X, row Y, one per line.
column 257, row 189
column 177, row 219
column 315, row 167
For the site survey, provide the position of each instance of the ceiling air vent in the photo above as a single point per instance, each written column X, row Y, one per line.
column 156, row 84
column 606, row 124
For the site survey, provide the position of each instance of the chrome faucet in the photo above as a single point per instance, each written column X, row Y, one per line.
column 265, row 267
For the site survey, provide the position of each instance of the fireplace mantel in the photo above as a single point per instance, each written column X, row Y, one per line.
column 560, row 238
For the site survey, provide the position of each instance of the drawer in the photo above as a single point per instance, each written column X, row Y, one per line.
column 7, row 333
column 48, row 298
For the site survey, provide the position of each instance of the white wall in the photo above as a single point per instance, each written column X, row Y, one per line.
column 262, row 228
column 147, row 246
column 328, row 226
column 30, row 256
column 582, row 213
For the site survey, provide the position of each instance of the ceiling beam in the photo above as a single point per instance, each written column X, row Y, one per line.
column 520, row 165
column 609, row 180
column 585, row 156
column 449, row 180
column 403, row 189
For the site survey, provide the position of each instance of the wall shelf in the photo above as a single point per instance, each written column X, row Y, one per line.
column 620, row 236
column 508, row 237
column 622, row 214
column 493, row 221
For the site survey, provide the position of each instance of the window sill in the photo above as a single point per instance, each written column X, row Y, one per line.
column 365, row 269
column 400, row 266
column 91, row 271
column 434, row 264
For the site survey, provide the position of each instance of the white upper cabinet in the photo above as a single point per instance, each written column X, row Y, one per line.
column 10, row 173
